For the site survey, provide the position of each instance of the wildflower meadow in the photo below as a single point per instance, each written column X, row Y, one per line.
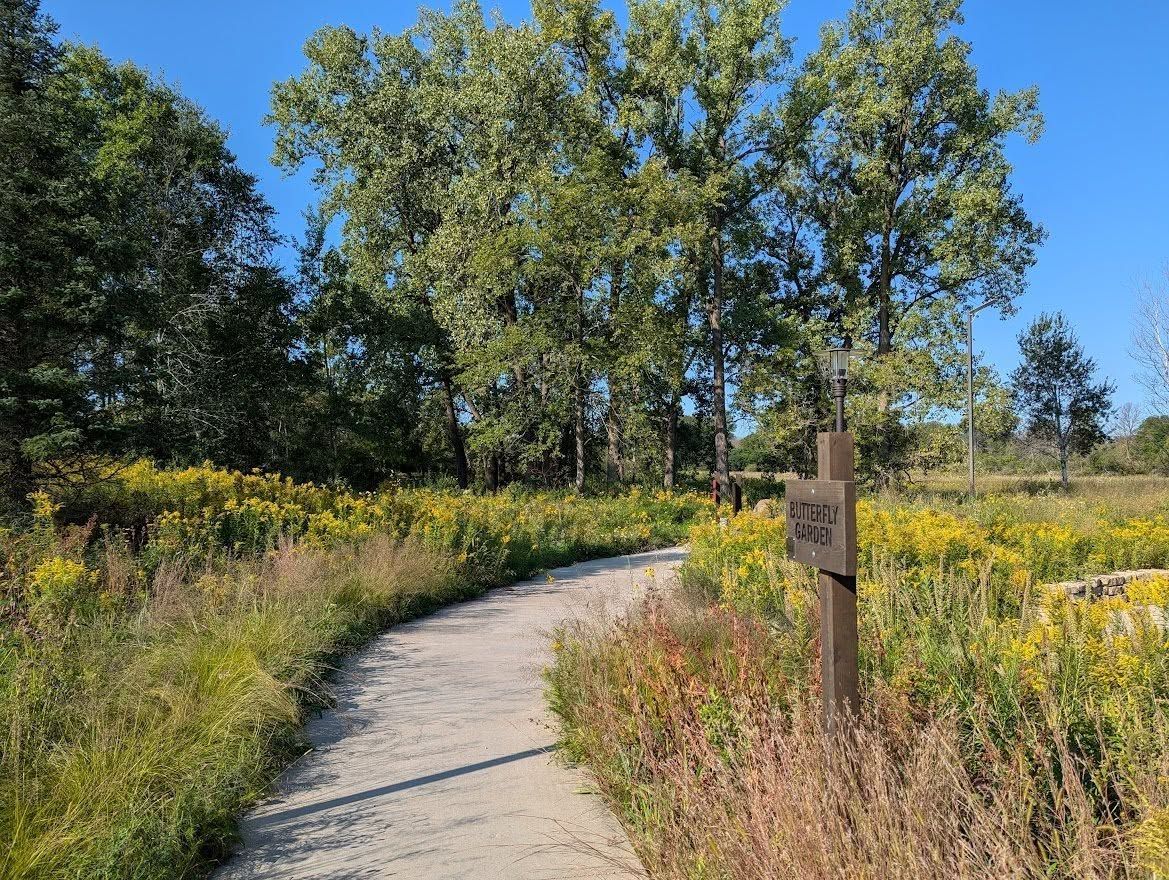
column 1007, row 729
column 163, row 632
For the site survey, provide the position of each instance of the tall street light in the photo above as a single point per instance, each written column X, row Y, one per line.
column 970, row 390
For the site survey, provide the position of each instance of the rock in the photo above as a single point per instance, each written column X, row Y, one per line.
column 1106, row 584
column 766, row 507
column 1129, row 623
column 1073, row 589
column 1140, row 574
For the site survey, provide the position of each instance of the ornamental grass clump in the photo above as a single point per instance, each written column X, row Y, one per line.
column 705, row 732
column 130, row 744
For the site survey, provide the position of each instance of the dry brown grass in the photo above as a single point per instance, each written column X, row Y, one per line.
column 703, row 732
column 799, row 806
column 1125, row 494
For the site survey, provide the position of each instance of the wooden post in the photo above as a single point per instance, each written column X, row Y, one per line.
column 838, row 636
column 715, row 491
column 736, row 498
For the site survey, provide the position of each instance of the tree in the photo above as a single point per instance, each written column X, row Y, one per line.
column 1151, row 443
column 1126, row 422
column 904, row 214
column 189, row 353
column 140, row 312
column 1056, row 391
column 1150, row 338
column 598, row 229
column 49, row 255
column 362, row 411
column 726, row 60
column 440, row 151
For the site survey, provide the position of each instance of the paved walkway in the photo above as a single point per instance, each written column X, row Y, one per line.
column 436, row 762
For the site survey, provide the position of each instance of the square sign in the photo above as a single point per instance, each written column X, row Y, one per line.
column 821, row 524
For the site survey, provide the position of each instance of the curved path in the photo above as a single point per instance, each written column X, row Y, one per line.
column 435, row 763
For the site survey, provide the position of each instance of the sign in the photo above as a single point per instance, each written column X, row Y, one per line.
column 821, row 524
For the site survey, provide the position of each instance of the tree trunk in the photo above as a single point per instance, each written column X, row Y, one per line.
column 491, row 472
column 614, row 466
column 718, row 358
column 455, row 431
column 671, row 442
column 21, row 481
column 579, row 434
column 884, row 295
column 1063, row 465
column 579, row 427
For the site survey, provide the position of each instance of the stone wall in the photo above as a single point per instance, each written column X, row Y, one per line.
column 1104, row 584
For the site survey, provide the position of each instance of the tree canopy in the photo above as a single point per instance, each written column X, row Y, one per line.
column 564, row 251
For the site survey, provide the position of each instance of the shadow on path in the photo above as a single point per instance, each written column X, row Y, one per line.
column 307, row 809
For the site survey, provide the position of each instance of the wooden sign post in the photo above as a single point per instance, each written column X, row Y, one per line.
column 821, row 531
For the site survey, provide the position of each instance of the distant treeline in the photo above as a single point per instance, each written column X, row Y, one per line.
column 560, row 252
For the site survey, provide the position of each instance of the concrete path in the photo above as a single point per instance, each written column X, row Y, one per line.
column 436, row 762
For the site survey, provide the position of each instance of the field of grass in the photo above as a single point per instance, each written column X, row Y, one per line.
column 1006, row 731
column 157, row 655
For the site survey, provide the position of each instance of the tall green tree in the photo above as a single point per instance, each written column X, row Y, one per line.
column 426, row 158
column 906, row 214
column 709, row 75
column 50, row 298
column 361, row 416
column 140, row 311
column 185, row 244
column 1063, row 404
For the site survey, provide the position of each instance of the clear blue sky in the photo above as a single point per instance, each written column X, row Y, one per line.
column 1098, row 181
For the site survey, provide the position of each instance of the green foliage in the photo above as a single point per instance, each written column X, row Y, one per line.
column 1151, row 443
column 1056, row 390
column 558, row 245
column 692, row 714
column 901, row 213
column 139, row 286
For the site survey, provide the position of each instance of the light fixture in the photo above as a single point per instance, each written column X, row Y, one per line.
column 838, row 361
column 838, row 379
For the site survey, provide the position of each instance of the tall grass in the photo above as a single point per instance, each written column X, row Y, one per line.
column 708, row 742
column 153, row 676
column 1005, row 732
column 1042, row 498
column 130, row 747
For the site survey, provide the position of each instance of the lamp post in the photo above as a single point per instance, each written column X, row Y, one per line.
column 970, row 391
column 838, row 380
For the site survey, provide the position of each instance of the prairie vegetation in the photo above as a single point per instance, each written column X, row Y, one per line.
column 157, row 654
column 568, row 252
column 1006, row 730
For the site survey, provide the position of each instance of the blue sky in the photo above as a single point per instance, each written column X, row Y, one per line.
column 1098, row 180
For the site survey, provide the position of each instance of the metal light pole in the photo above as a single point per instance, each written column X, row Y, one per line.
column 838, row 364
column 970, row 391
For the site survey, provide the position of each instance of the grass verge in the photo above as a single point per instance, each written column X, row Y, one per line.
column 150, row 691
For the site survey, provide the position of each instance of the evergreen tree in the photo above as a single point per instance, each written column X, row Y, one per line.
column 1063, row 405
column 50, row 261
column 140, row 312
